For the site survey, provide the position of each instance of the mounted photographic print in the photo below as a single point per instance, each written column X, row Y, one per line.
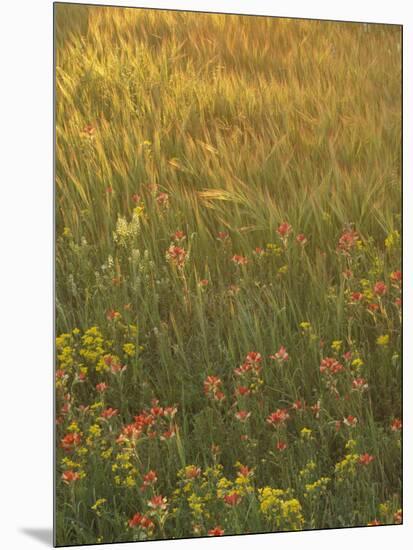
column 228, row 274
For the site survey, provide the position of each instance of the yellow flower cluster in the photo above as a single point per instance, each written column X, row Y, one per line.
column 351, row 445
column 129, row 349
column 367, row 289
column 199, row 492
column 357, row 363
column 82, row 451
column 76, row 353
column 98, row 504
column 243, row 485
column 65, row 352
column 346, row 468
column 196, row 506
column 194, row 488
column 274, row 249
column 383, row 340
column 106, row 453
column 224, row 486
column 70, row 464
column 104, row 362
column 336, row 345
column 392, row 240
column 92, row 346
column 73, row 427
column 124, row 470
column 317, row 488
column 306, row 433
column 278, row 507
column 95, row 431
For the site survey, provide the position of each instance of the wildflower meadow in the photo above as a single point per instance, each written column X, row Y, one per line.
column 228, row 274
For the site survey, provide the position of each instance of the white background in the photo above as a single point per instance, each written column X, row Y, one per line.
column 26, row 271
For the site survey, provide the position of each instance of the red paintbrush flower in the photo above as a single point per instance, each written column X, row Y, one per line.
column 69, row 476
column 232, row 499
column 278, row 417
column 284, row 229
column 216, row 532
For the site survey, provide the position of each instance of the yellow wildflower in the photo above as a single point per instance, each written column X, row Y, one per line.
column 351, row 444
column 195, row 504
column 278, row 507
column 308, row 468
column 106, row 454
column 129, row 482
column 73, row 427
column 316, row 488
column 346, row 467
column 82, row 451
column 95, row 430
column 98, row 504
column 274, row 249
column 383, row 340
column 223, row 486
column 336, row 345
column 305, row 433
column 129, row 349
column 392, row 240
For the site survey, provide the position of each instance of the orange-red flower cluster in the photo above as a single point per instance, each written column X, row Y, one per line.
column 284, row 229
column 281, row 355
column 239, row 260
column 70, row 440
column 365, row 459
column 140, row 520
column 158, row 421
column 176, row 255
column 158, row 502
column 232, row 499
column 69, row 476
column 216, row 532
column 278, row 417
column 212, row 388
column 347, row 241
column 149, row 479
column 330, row 365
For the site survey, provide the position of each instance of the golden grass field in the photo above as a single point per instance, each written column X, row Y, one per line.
column 228, row 274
